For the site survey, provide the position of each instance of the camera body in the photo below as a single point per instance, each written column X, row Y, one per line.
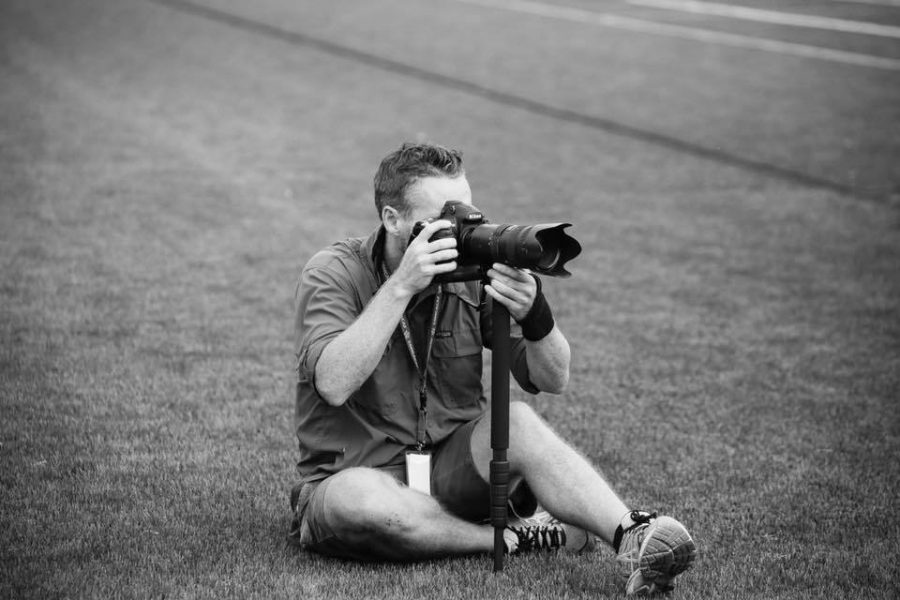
column 462, row 217
column 543, row 248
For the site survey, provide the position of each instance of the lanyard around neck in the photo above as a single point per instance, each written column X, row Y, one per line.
column 421, row 369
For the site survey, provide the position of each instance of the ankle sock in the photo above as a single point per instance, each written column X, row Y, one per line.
column 629, row 520
column 625, row 524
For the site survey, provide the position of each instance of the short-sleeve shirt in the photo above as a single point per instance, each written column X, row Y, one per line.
column 378, row 422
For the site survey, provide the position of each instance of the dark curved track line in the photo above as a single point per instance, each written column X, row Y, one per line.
column 512, row 100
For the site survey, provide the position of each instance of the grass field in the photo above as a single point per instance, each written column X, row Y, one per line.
column 166, row 168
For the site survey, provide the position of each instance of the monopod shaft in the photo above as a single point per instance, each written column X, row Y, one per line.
column 499, row 472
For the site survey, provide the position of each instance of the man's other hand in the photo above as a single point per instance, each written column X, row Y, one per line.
column 513, row 288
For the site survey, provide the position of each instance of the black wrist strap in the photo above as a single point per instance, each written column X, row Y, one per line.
column 538, row 323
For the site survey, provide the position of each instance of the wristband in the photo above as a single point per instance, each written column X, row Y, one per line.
column 538, row 323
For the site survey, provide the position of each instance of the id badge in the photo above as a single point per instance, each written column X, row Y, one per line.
column 418, row 471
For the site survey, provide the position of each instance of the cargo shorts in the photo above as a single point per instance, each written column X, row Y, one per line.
column 455, row 483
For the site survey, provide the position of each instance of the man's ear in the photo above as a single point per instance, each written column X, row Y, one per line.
column 390, row 217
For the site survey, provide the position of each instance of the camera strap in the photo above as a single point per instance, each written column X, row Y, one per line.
column 421, row 369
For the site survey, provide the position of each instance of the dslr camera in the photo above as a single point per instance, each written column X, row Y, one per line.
column 543, row 248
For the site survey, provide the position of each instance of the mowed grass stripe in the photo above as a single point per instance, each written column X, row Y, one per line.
column 609, row 126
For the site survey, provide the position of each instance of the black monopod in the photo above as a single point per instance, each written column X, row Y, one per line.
column 500, row 357
column 543, row 249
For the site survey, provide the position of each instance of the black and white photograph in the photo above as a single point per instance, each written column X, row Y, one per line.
column 443, row 300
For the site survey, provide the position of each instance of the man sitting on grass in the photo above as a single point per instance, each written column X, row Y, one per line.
column 373, row 331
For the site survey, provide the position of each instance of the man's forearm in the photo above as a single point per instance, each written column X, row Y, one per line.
column 350, row 358
column 548, row 362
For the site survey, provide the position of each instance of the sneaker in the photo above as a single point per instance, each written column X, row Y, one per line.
column 652, row 552
column 542, row 531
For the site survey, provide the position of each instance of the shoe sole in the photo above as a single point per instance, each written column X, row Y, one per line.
column 667, row 551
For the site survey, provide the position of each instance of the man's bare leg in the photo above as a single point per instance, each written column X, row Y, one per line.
column 370, row 509
column 562, row 480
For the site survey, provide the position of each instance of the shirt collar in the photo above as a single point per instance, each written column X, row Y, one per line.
column 372, row 249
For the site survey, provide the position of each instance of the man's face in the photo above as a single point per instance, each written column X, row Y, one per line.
column 426, row 198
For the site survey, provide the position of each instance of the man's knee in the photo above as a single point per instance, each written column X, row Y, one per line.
column 528, row 432
column 523, row 420
column 355, row 498
column 363, row 502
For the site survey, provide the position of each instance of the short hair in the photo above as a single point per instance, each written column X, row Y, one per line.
column 402, row 168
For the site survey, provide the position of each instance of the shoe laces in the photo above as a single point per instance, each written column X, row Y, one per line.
column 537, row 537
column 538, row 518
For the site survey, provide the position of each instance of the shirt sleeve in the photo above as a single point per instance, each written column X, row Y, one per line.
column 326, row 306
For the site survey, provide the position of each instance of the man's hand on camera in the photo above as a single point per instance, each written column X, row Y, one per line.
column 424, row 259
column 513, row 288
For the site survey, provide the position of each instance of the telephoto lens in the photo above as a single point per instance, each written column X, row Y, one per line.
column 543, row 248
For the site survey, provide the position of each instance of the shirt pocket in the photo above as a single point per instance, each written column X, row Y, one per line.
column 458, row 367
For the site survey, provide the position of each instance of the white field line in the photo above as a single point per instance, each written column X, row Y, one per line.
column 770, row 16
column 875, row 2
column 688, row 33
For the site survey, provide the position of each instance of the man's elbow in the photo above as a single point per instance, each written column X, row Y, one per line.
column 332, row 398
column 331, row 392
column 557, row 384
